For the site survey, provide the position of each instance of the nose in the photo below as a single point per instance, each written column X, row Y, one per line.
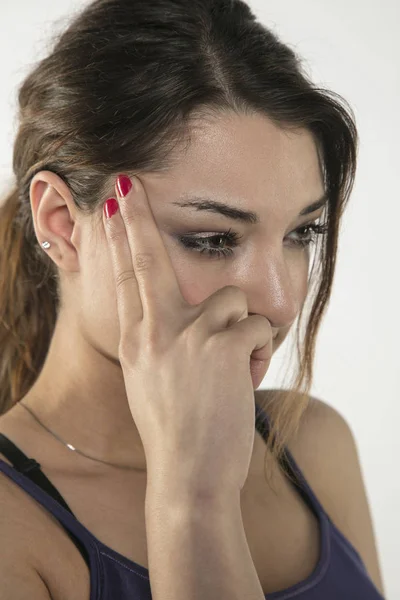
column 277, row 291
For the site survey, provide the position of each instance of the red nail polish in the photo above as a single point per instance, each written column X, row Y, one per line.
column 110, row 207
column 124, row 185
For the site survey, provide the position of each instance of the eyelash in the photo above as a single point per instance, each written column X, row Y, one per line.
column 233, row 238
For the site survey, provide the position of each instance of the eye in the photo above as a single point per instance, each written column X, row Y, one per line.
column 308, row 234
column 224, row 242
column 197, row 244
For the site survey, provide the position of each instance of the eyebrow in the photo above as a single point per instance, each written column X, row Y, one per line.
column 237, row 214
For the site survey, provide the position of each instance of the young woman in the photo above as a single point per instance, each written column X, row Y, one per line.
column 172, row 169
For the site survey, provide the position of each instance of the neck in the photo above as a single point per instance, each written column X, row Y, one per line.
column 80, row 395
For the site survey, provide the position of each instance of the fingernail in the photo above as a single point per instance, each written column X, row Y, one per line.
column 110, row 207
column 124, row 185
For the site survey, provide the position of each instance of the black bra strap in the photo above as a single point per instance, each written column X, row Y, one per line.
column 30, row 468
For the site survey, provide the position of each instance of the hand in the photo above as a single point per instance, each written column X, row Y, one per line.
column 186, row 367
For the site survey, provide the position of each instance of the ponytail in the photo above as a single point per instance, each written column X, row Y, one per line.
column 28, row 302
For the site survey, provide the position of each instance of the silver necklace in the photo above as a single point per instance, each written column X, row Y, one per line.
column 71, row 447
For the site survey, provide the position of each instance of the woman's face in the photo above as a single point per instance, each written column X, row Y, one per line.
column 248, row 164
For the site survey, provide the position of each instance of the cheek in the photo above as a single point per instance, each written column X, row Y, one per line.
column 98, row 297
column 305, row 282
column 197, row 284
column 299, row 276
column 98, row 308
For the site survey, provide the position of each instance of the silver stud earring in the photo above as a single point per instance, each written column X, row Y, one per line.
column 46, row 245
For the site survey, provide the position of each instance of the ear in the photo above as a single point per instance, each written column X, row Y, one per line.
column 55, row 219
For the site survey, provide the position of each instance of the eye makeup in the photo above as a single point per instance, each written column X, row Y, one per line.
column 211, row 245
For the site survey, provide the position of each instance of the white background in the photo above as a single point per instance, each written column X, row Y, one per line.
column 353, row 47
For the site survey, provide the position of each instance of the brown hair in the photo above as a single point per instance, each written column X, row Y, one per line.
column 117, row 93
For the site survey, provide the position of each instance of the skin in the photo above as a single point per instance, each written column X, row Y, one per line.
column 245, row 161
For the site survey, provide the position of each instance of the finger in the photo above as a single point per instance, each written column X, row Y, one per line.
column 156, row 278
column 223, row 308
column 252, row 336
column 128, row 297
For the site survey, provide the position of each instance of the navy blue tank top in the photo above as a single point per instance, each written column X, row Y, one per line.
column 339, row 575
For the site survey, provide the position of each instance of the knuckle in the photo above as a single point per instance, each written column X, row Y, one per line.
column 157, row 341
column 125, row 351
column 192, row 333
column 115, row 234
column 263, row 322
column 216, row 343
column 130, row 218
column 124, row 276
column 143, row 261
column 236, row 292
column 129, row 352
column 223, row 344
column 154, row 339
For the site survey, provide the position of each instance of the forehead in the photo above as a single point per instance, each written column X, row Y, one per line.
column 251, row 157
column 246, row 160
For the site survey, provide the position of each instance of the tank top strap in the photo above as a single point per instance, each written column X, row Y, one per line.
column 289, row 463
column 29, row 467
column 27, row 475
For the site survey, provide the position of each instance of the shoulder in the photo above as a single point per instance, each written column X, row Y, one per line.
column 36, row 548
column 17, row 558
column 324, row 438
column 322, row 429
column 32, row 562
column 324, row 441
column 326, row 451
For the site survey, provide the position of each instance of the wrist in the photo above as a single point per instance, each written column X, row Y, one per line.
column 184, row 498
